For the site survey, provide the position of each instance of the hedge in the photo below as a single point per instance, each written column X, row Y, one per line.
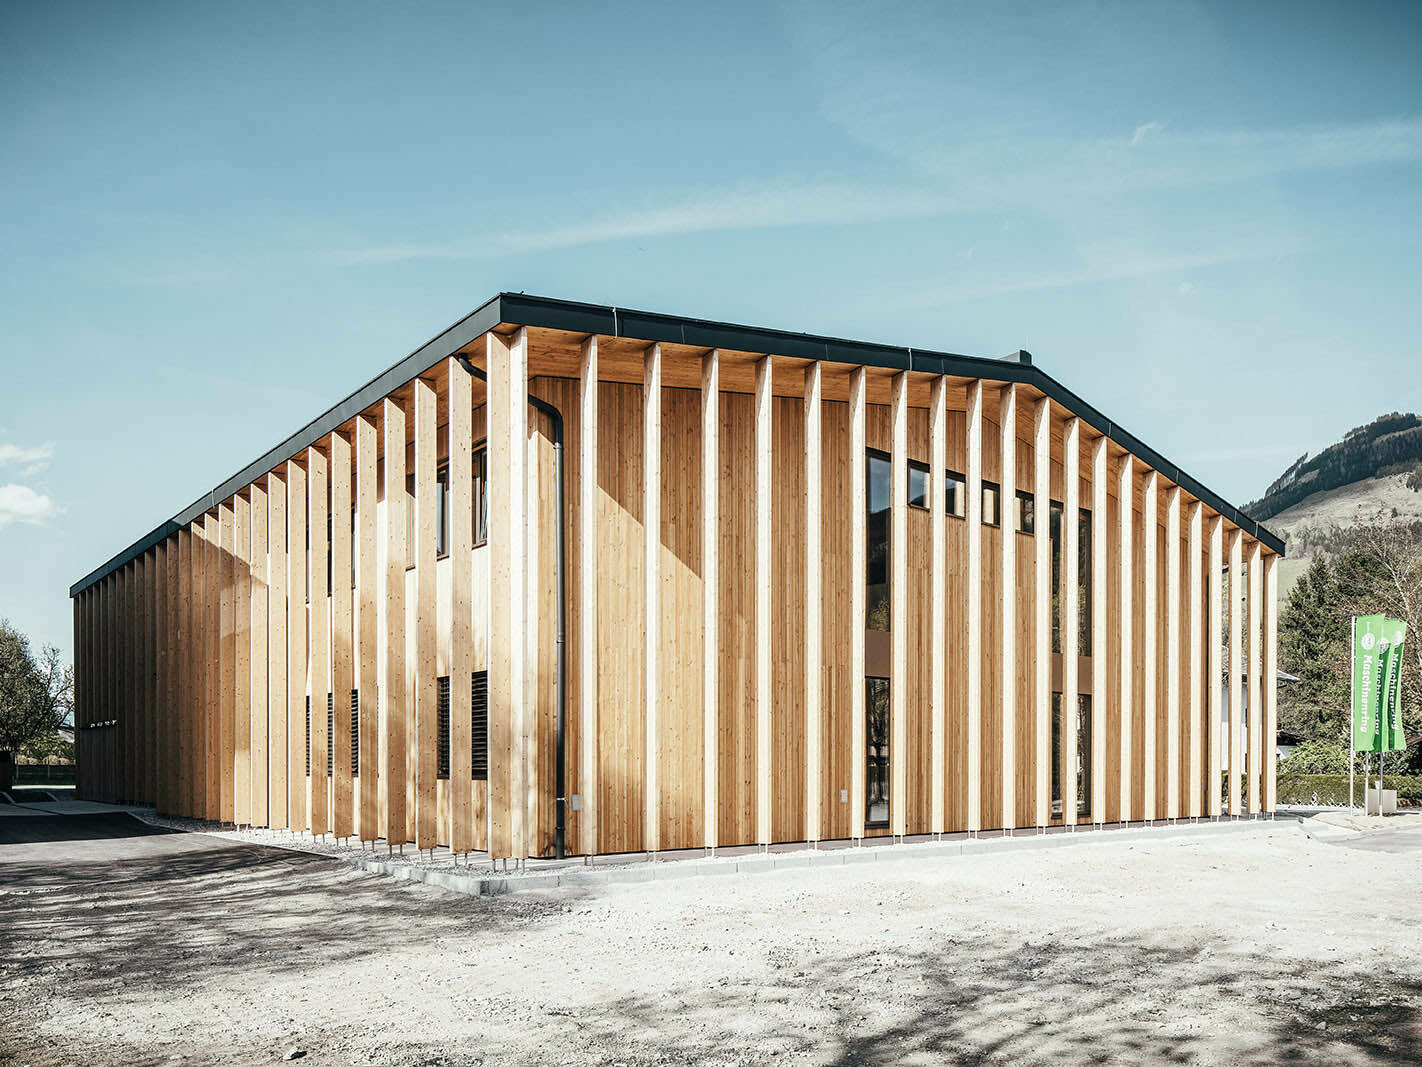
column 1332, row 789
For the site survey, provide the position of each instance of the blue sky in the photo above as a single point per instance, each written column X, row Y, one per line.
column 218, row 220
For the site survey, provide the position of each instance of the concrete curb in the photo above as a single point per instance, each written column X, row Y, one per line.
column 491, row 885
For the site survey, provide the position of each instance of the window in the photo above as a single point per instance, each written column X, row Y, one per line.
column 953, row 500
column 879, row 495
column 1026, row 512
column 1083, row 755
column 479, row 732
column 917, row 486
column 992, row 504
column 1083, row 579
column 442, row 729
column 876, row 755
column 479, row 503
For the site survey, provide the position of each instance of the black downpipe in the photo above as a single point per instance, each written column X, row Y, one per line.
column 560, row 774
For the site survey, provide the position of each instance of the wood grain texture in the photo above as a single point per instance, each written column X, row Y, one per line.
column 319, row 654
column 459, row 410
column 1126, row 492
column 859, row 595
column 1042, row 608
column 1101, row 649
column 343, row 678
column 1271, row 679
column 369, row 580
column 651, row 591
column 1198, row 678
column 1214, row 644
column 813, row 632
column 763, row 561
column 1234, row 707
column 1070, row 613
column 1149, row 665
column 227, row 661
column 1011, row 593
column 938, row 595
column 1254, row 703
column 973, row 603
column 588, row 614
column 242, row 659
column 297, row 662
column 394, row 710
column 426, row 619
column 1173, row 610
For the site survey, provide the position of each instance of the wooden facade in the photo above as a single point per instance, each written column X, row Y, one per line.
column 361, row 635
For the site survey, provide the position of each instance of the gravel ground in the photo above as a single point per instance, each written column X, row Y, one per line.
column 1254, row 946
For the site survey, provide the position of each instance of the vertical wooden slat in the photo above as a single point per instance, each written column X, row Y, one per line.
column 227, row 657
column 1236, row 665
column 242, row 660
column 459, row 392
column 898, row 608
column 858, row 590
column 1007, row 639
column 140, row 661
column 197, row 664
column 1172, row 653
column 1149, row 666
column 426, row 679
column 261, row 657
column 1271, row 681
column 1215, row 676
column 160, row 668
column 711, row 586
column 1042, row 605
column 368, row 585
column 1071, row 614
column 342, row 635
column 1100, row 654
column 651, row 590
column 277, row 651
column 393, row 707
column 974, row 603
column 1254, row 667
column 1197, row 666
column 1126, row 495
column 588, row 639
column 814, row 602
column 212, row 666
column 763, row 562
column 297, row 664
column 317, row 482
column 938, row 592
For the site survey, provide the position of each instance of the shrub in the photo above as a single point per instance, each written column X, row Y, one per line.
column 1332, row 789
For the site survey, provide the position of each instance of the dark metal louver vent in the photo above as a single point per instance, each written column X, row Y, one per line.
column 442, row 717
column 480, row 731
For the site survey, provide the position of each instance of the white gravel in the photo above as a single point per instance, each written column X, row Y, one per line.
column 1260, row 945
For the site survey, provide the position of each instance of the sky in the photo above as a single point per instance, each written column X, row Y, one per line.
column 217, row 220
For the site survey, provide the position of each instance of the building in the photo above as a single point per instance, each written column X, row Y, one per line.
column 886, row 591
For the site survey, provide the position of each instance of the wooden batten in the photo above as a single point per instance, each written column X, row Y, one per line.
column 1254, row 704
column 338, row 447
column 1070, row 614
column 459, row 416
column 1100, row 655
column 587, row 595
column 367, row 659
column 261, row 656
column 317, row 742
column 1126, row 495
column 974, row 603
column 764, row 473
column 393, row 708
column 242, row 660
column 1236, row 666
column 858, row 593
column 651, row 591
column 938, row 590
column 1042, row 609
column 1271, row 678
column 898, row 607
column 814, row 597
column 1196, row 670
column 426, row 617
column 1214, row 641
column 227, row 658
column 1172, row 653
column 297, row 664
column 1150, row 666
column 1007, row 635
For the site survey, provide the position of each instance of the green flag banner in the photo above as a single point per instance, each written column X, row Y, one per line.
column 1367, row 681
column 1390, row 736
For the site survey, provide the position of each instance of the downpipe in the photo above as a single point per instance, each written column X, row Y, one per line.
column 561, row 686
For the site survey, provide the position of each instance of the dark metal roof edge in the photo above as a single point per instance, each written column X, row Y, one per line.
column 478, row 321
column 550, row 313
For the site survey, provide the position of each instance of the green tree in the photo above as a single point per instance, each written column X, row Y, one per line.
column 36, row 696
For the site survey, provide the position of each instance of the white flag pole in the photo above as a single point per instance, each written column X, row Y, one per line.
column 1352, row 704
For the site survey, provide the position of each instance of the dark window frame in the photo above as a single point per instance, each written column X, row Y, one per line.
column 878, row 767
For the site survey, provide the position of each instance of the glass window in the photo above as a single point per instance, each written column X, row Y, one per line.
column 410, row 554
column 992, row 504
column 480, row 502
column 917, row 486
column 876, row 755
column 1026, row 512
column 1083, row 755
column 877, row 608
column 442, row 511
column 1083, row 579
column 953, row 500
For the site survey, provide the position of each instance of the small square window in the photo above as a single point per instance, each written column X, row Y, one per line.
column 953, row 499
column 917, row 487
column 1026, row 512
column 992, row 505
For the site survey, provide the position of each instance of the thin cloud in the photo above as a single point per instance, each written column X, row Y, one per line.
column 704, row 211
column 20, row 503
column 1143, row 131
column 39, row 454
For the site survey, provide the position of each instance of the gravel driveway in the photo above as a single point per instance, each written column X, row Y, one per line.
column 119, row 945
